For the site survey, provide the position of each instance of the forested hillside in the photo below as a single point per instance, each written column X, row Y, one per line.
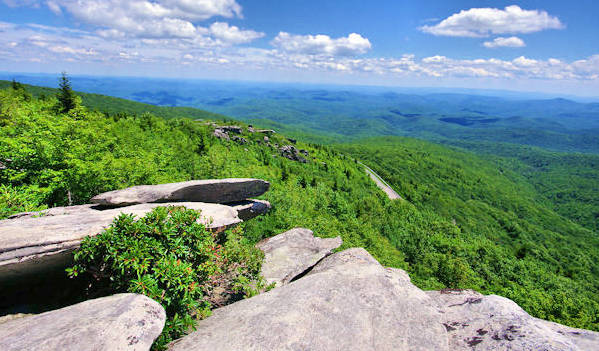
column 465, row 223
column 569, row 181
column 508, row 238
column 113, row 105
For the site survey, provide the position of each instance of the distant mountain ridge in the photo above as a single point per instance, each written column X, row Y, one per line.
column 327, row 114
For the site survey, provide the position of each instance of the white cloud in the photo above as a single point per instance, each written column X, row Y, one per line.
column 54, row 7
column 155, row 19
column 232, row 34
column 524, row 62
column 482, row 22
column 353, row 44
column 53, row 46
column 70, row 50
column 511, row 42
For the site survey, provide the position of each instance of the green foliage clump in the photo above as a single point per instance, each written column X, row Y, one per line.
column 19, row 199
column 170, row 257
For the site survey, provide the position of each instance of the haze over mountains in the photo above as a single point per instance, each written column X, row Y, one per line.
column 347, row 113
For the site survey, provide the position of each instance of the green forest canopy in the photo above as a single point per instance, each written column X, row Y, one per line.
column 465, row 224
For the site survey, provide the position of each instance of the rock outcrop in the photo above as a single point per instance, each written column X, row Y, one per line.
column 249, row 209
column 118, row 322
column 292, row 153
column 34, row 242
column 491, row 322
column 232, row 129
column 44, row 240
column 347, row 302
column 266, row 131
column 220, row 134
column 211, row 190
column 291, row 253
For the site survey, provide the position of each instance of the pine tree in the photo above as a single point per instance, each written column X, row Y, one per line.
column 16, row 85
column 66, row 96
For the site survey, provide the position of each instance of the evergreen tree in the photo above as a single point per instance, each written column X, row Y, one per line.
column 66, row 96
column 16, row 85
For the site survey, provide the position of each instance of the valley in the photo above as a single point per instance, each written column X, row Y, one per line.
column 501, row 218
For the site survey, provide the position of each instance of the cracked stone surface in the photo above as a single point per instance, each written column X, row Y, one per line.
column 489, row 322
column 118, row 322
column 289, row 254
column 347, row 302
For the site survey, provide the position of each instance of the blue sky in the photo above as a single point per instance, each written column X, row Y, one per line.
column 549, row 46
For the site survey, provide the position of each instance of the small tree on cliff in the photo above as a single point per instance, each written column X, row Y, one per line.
column 66, row 97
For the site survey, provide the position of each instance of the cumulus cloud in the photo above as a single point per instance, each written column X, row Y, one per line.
column 511, row 42
column 232, row 34
column 482, row 22
column 26, row 42
column 353, row 44
column 156, row 19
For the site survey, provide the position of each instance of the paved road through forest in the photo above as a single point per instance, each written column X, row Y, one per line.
column 393, row 195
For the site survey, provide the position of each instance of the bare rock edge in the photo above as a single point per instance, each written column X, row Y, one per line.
column 206, row 190
column 118, row 322
column 348, row 301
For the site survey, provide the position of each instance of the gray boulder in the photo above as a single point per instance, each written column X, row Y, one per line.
column 249, row 209
column 266, row 131
column 220, row 134
column 118, row 322
column 232, row 129
column 209, row 190
column 291, row 152
column 44, row 240
column 490, row 322
column 239, row 140
column 289, row 254
column 347, row 302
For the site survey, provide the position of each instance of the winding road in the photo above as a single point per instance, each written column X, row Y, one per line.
column 393, row 195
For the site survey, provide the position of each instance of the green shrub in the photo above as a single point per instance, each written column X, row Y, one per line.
column 170, row 257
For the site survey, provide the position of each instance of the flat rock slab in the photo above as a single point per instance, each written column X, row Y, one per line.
column 45, row 239
column 289, row 254
column 347, row 302
column 118, row 322
column 210, row 190
column 249, row 209
column 489, row 322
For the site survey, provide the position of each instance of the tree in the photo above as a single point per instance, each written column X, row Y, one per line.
column 20, row 89
column 16, row 85
column 66, row 96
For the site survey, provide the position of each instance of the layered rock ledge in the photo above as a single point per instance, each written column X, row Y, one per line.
column 34, row 242
column 209, row 190
column 45, row 240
